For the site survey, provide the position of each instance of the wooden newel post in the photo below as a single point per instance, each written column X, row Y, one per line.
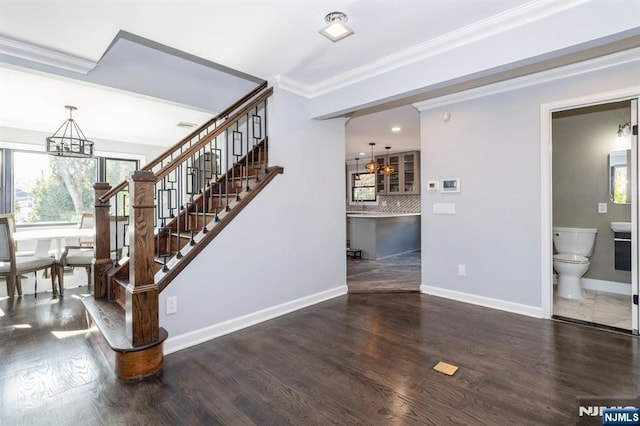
column 142, row 292
column 102, row 262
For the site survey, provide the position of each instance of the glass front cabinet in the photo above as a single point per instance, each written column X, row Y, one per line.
column 406, row 176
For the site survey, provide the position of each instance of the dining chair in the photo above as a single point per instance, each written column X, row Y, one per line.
column 12, row 224
column 12, row 267
column 75, row 256
column 86, row 222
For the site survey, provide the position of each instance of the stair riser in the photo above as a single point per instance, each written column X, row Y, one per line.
column 177, row 244
column 195, row 222
column 118, row 293
column 251, row 169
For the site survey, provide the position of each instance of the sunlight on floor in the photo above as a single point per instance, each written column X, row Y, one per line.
column 80, row 296
column 21, row 326
column 65, row 334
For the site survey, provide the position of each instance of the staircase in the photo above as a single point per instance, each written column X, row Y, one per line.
column 149, row 228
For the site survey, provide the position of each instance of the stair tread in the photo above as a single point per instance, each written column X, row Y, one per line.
column 110, row 320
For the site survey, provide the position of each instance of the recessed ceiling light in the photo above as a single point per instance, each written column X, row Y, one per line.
column 396, row 129
column 336, row 29
column 363, row 153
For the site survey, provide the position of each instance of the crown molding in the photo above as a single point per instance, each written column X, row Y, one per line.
column 510, row 19
column 294, row 86
column 615, row 59
column 40, row 55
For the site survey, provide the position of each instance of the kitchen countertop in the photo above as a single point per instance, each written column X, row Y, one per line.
column 379, row 214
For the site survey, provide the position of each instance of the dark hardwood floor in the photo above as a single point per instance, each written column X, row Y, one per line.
column 355, row 359
column 392, row 274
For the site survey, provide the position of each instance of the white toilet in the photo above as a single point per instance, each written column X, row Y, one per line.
column 573, row 247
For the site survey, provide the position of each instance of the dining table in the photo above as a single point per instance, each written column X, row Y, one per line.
column 48, row 239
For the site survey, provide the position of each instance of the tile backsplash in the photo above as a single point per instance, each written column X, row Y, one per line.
column 408, row 204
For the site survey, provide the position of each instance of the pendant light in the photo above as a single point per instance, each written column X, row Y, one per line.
column 68, row 140
column 372, row 166
column 387, row 169
column 357, row 175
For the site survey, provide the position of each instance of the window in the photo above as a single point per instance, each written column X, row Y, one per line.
column 51, row 189
column 363, row 187
column 44, row 188
column 118, row 170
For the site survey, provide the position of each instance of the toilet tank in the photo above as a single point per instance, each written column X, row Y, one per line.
column 574, row 240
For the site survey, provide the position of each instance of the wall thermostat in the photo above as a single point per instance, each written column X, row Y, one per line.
column 450, row 185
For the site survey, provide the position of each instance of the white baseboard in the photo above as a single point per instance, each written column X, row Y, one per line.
column 488, row 302
column 192, row 338
column 606, row 286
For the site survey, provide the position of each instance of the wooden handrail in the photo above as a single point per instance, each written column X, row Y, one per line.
column 191, row 135
column 217, row 132
column 186, row 139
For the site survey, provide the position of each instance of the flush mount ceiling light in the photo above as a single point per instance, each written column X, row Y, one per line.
column 372, row 166
column 69, row 141
column 387, row 169
column 336, row 29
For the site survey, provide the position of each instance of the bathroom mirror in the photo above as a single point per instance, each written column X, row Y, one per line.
column 620, row 176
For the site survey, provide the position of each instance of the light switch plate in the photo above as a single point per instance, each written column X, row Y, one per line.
column 602, row 207
column 444, row 208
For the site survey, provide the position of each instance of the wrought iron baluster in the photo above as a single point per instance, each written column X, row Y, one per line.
column 226, row 175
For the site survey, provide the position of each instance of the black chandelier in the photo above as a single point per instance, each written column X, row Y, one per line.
column 69, row 141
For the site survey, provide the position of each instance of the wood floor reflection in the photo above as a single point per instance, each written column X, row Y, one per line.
column 355, row 359
column 399, row 273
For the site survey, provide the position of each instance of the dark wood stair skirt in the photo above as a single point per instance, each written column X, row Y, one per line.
column 127, row 361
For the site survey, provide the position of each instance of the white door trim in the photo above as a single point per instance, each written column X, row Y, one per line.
column 546, row 214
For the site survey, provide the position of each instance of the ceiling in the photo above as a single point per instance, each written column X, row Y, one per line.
column 263, row 39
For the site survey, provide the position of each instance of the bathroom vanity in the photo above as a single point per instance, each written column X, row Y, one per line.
column 382, row 235
column 622, row 245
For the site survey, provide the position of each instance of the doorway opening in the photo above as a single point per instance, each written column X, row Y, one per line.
column 594, row 219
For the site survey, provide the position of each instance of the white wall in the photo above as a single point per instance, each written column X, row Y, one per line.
column 492, row 143
column 285, row 250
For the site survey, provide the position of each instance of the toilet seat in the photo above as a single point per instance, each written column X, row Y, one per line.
column 570, row 258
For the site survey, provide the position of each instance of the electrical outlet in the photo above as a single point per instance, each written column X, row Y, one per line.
column 462, row 271
column 172, row 305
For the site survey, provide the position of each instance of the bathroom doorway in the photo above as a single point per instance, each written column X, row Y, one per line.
column 594, row 207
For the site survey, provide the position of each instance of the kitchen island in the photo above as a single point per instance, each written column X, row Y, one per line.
column 381, row 235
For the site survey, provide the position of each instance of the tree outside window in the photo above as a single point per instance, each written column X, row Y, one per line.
column 57, row 189
column 52, row 189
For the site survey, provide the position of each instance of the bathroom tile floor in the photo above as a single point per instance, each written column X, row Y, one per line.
column 596, row 307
